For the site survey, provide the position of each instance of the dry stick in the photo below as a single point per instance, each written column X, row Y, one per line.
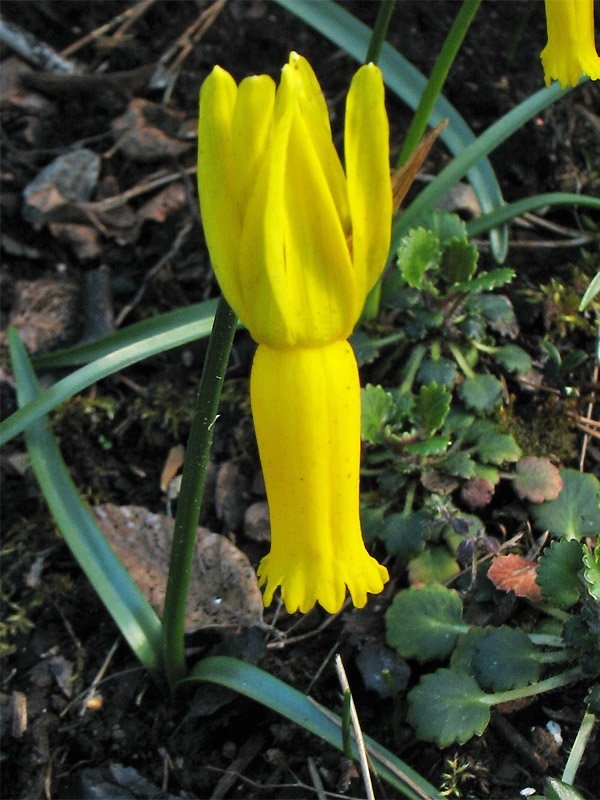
column 91, row 691
column 316, row 779
column 360, row 742
column 34, row 50
column 588, row 432
column 133, row 12
column 177, row 245
column 118, row 200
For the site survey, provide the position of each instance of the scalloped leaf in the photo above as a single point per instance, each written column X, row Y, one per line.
column 481, row 392
column 591, row 573
column 464, row 652
column 460, row 464
column 537, row 479
column 404, row 534
column 498, row 448
column 365, row 349
column 557, row 574
column 447, row 706
column 506, row 659
column 459, row 261
column 440, row 370
column 514, row 573
column 575, row 511
column 428, row 447
column 446, row 226
column 433, row 404
column 513, row 358
column 433, row 564
column 419, row 251
column 424, row 623
column 494, row 307
column 486, row 281
column 377, row 408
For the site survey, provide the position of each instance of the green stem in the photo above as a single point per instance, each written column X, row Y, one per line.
column 555, row 682
column 546, row 639
column 460, row 359
column 581, row 740
column 556, row 657
column 436, row 80
column 410, row 371
column 192, row 486
column 384, row 15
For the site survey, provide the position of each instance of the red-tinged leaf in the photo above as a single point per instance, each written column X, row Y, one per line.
column 516, row 574
column 537, row 479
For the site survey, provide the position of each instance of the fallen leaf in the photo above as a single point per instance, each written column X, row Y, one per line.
column 46, row 313
column 403, row 178
column 477, row 492
column 170, row 200
column 514, row 573
column 83, row 239
column 172, row 465
column 142, row 133
column 223, row 587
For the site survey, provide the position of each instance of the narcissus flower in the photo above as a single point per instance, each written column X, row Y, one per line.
column 571, row 49
column 296, row 243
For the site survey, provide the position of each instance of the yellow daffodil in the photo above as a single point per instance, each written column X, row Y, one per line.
column 296, row 243
column 571, row 49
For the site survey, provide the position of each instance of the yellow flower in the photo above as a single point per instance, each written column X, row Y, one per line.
column 296, row 243
column 571, row 49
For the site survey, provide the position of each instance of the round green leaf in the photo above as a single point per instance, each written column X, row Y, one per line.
column 575, row 511
column 513, row 358
column 441, row 371
column 498, row 448
column 557, row 572
column 425, row 623
column 537, row 479
column 433, row 564
column 465, row 650
column 591, row 572
column 481, row 392
column 505, row 659
column 404, row 534
column 446, row 707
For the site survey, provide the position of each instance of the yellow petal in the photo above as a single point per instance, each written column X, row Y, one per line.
column 250, row 130
column 571, row 49
column 263, row 279
column 318, row 265
column 316, row 117
column 366, row 146
column 306, row 410
column 217, row 185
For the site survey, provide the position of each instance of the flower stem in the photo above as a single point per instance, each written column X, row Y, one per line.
column 384, row 15
column 192, row 486
column 436, row 79
column 555, row 682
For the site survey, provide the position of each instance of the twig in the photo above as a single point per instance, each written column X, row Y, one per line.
column 177, row 245
column 246, row 754
column 279, row 645
column 587, row 431
column 128, row 16
column 118, row 200
column 91, row 691
column 316, row 779
column 360, row 742
column 34, row 50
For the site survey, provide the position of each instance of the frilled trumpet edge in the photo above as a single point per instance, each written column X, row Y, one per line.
column 571, row 49
column 306, row 410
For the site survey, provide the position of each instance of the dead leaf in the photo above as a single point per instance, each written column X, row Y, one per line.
column 168, row 201
column 143, row 133
column 172, row 465
column 46, row 313
column 513, row 573
column 83, row 239
column 68, row 180
column 257, row 522
column 477, row 492
column 403, row 178
column 223, row 586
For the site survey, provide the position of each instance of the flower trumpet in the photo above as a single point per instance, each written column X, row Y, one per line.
column 296, row 243
column 571, row 49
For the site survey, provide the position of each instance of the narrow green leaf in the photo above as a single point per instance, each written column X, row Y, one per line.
column 198, row 314
column 173, row 335
column 432, row 405
column 310, row 715
column 508, row 212
column 132, row 613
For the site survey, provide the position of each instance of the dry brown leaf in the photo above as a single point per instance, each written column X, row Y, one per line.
column 46, row 313
column 143, row 132
column 403, row 178
column 223, row 586
column 172, row 465
column 170, row 199
column 514, row 573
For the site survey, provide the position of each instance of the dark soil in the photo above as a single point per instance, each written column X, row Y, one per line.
column 130, row 740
